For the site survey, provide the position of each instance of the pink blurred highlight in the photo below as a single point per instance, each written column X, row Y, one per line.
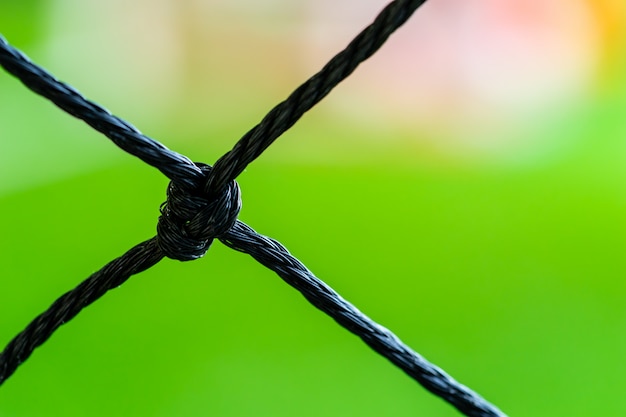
column 475, row 76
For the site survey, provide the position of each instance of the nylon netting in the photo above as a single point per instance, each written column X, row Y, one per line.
column 203, row 203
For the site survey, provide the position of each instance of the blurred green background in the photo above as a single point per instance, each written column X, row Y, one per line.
column 466, row 188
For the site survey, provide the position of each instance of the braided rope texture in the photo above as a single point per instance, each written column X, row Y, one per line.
column 203, row 203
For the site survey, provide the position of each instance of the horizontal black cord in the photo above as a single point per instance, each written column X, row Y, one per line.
column 66, row 307
column 276, row 257
column 173, row 165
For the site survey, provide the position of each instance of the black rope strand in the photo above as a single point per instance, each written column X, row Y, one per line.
column 66, row 307
column 203, row 204
column 178, row 167
column 276, row 257
column 285, row 114
column 173, row 165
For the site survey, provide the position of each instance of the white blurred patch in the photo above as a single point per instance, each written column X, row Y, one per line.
column 123, row 54
column 479, row 77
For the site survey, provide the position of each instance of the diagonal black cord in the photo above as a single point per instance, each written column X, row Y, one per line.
column 276, row 257
column 66, row 307
column 178, row 167
column 285, row 114
column 173, row 165
column 192, row 218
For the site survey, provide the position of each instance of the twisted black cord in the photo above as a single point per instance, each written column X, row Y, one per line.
column 188, row 224
column 178, row 167
column 276, row 257
column 173, row 165
column 285, row 114
column 203, row 204
column 112, row 275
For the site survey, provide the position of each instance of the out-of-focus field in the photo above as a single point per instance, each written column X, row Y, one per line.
column 466, row 188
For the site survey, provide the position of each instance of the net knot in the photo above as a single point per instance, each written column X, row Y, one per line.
column 192, row 217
